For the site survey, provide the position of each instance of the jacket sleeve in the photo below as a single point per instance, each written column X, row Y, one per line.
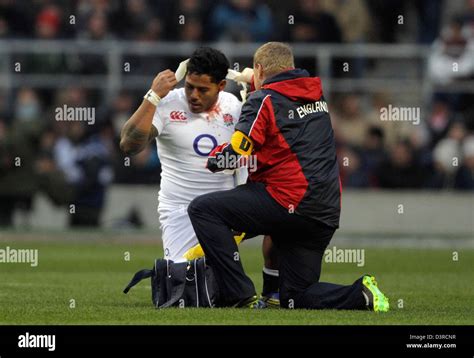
column 249, row 134
column 254, row 118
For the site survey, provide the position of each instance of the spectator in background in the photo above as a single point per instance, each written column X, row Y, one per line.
column 72, row 96
column 137, row 15
column 385, row 15
column 467, row 17
column 192, row 14
column 401, row 171
column 85, row 9
column 144, row 168
column 241, row 21
column 452, row 56
column 393, row 131
column 353, row 174
column 47, row 27
column 350, row 121
column 16, row 19
column 4, row 28
column 468, row 118
column 51, row 180
column 48, row 23
column 5, row 107
column 146, row 27
column 373, row 152
column 19, row 144
column 97, row 29
column 192, row 30
column 120, row 110
column 7, row 201
column 352, row 16
column 429, row 19
column 147, row 64
column 447, row 157
column 151, row 32
column 27, row 108
column 419, row 139
column 439, row 121
column 465, row 176
column 85, row 160
column 313, row 24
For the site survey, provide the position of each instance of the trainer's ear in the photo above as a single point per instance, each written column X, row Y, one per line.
column 258, row 75
column 222, row 85
column 257, row 68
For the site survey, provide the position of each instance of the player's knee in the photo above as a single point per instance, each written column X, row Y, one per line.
column 198, row 205
column 193, row 207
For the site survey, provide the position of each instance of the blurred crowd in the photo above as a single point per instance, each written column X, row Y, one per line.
column 74, row 162
column 436, row 153
column 326, row 21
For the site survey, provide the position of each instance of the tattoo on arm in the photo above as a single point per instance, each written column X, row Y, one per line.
column 153, row 133
column 134, row 140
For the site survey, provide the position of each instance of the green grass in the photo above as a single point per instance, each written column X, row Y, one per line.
column 434, row 288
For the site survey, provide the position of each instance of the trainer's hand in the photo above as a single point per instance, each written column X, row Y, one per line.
column 213, row 159
column 163, row 83
column 246, row 75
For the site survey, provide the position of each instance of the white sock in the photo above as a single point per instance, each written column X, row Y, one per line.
column 271, row 272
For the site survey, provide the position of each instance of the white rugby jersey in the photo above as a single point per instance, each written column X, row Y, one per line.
column 184, row 142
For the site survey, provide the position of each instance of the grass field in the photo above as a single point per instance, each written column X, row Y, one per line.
column 434, row 288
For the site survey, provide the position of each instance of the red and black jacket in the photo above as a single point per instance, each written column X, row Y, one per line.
column 293, row 140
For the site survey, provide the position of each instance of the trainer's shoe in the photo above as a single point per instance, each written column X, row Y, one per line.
column 252, row 302
column 271, row 299
column 375, row 299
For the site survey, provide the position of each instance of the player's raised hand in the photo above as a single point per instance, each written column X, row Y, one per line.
column 163, row 83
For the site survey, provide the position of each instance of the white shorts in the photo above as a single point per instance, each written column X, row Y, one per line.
column 177, row 232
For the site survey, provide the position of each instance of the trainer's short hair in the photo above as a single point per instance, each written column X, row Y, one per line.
column 274, row 57
column 209, row 61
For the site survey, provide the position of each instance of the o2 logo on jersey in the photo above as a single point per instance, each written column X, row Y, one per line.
column 201, row 139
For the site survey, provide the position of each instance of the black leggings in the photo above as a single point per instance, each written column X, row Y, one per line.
column 301, row 242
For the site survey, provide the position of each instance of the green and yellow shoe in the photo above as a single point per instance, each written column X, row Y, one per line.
column 252, row 302
column 375, row 299
column 271, row 299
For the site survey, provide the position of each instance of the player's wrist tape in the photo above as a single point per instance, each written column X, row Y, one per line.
column 152, row 97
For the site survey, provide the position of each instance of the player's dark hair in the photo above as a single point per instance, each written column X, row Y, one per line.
column 209, row 61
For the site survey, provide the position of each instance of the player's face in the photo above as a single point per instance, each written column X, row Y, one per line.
column 201, row 92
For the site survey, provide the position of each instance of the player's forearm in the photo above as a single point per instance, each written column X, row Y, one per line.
column 138, row 131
